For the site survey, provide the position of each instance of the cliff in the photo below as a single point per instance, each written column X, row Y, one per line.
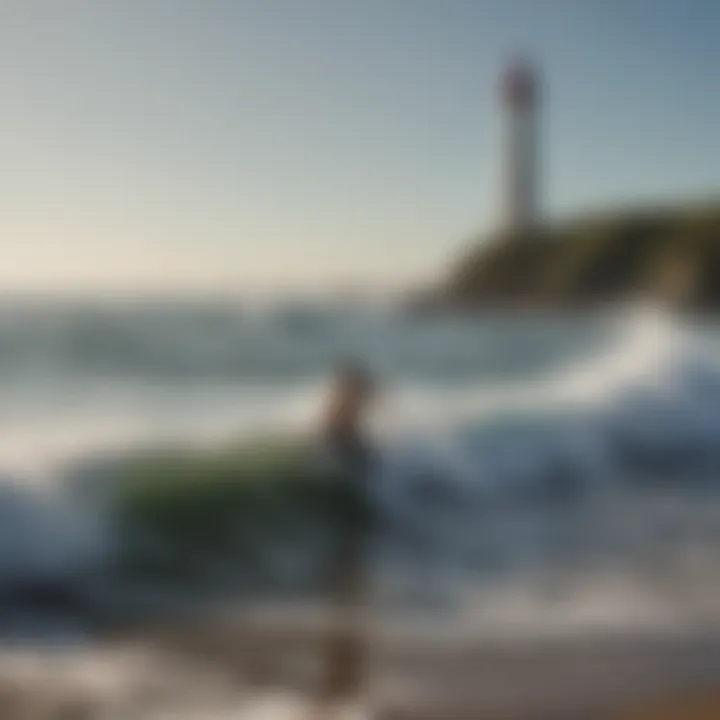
column 671, row 254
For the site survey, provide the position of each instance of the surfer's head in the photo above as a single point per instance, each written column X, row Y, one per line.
column 355, row 377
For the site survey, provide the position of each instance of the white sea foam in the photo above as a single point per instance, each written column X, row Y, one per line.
column 646, row 397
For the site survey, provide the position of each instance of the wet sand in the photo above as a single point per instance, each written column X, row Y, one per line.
column 433, row 676
column 217, row 667
column 680, row 706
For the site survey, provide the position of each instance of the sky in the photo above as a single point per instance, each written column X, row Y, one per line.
column 222, row 145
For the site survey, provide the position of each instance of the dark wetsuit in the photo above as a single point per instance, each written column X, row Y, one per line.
column 351, row 517
column 346, row 652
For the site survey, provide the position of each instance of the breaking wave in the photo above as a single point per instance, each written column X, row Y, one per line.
column 562, row 472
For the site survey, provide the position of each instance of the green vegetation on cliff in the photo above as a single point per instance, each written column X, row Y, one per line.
column 670, row 254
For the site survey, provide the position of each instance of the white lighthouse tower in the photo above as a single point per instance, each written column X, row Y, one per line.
column 520, row 100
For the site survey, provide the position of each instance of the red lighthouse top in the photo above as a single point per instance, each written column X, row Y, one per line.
column 519, row 85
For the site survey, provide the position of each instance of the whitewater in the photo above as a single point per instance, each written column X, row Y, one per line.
column 539, row 474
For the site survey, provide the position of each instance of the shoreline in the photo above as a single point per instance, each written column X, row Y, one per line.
column 235, row 660
column 436, row 678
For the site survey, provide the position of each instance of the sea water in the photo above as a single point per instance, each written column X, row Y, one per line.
column 539, row 473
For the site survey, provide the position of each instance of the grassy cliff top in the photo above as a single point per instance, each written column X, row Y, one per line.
column 668, row 253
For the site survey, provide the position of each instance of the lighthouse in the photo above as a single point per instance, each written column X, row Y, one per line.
column 520, row 162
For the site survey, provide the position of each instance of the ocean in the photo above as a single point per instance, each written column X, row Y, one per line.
column 539, row 473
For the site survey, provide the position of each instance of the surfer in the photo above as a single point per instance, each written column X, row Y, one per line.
column 342, row 427
column 344, row 437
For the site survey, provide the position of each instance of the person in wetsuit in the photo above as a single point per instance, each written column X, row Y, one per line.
column 342, row 427
column 344, row 437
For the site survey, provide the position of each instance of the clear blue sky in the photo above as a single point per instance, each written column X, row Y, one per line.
column 250, row 143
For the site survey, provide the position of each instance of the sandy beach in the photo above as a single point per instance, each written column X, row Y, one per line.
column 454, row 675
column 229, row 666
